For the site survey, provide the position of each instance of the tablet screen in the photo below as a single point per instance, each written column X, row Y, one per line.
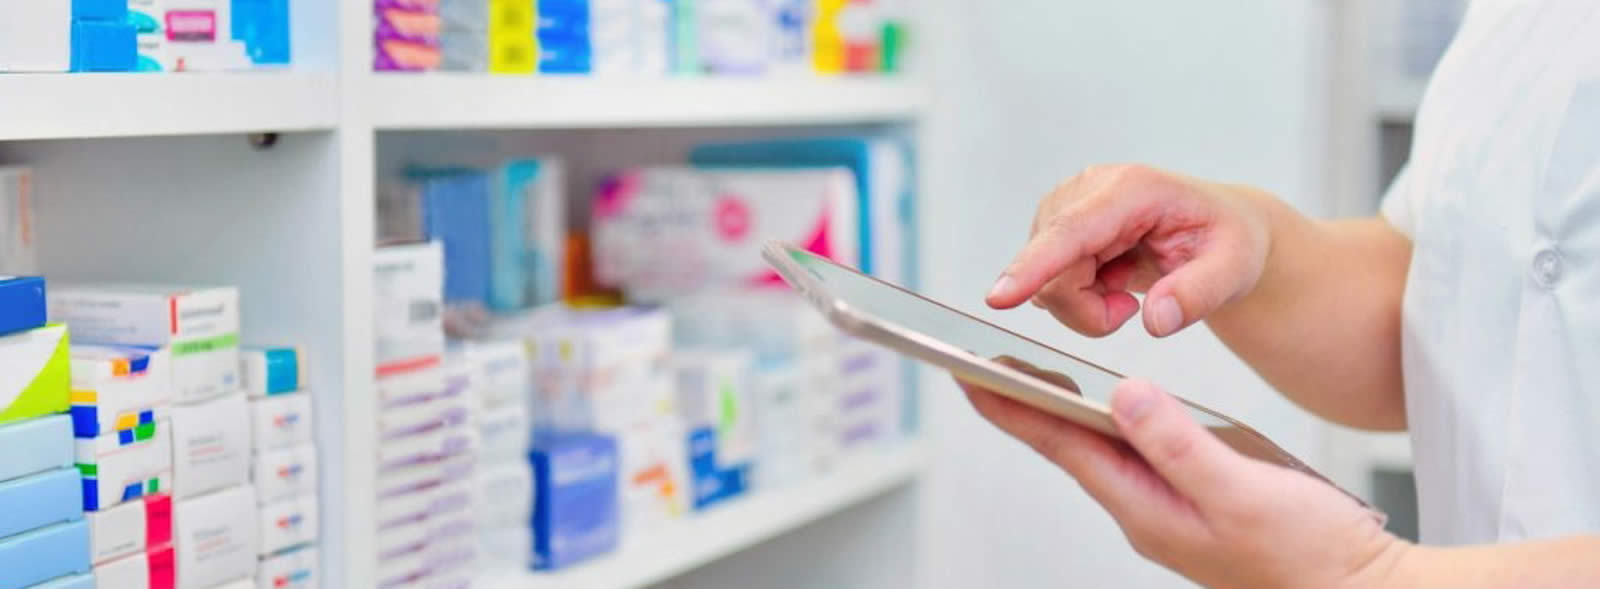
column 913, row 312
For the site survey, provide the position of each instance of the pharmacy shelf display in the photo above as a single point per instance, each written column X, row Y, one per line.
column 745, row 522
column 148, row 178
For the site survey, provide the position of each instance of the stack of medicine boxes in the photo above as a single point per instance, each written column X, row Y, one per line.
column 426, row 443
column 284, row 467
column 43, row 535
column 201, row 455
column 503, row 481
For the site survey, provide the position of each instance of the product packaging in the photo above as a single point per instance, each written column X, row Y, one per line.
column 502, row 373
column 663, row 232
column 575, row 514
column 291, row 569
column 503, row 434
column 280, row 421
column 117, row 388
column 736, row 36
column 285, row 473
column 17, row 255
column 504, row 494
column 148, row 18
column 654, row 478
column 270, row 371
column 35, row 445
column 508, row 547
column 22, row 301
column 287, row 523
column 712, row 481
column 39, row 500
column 210, row 446
column 34, row 36
column 199, row 37
column 715, row 390
column 130, row 528
column 199, row 326
column 38, row 373
column 598, row 370
column 104, row 46
column 215, row 536
column 416, row 383
column 869, row 394
column 40, row 555
column 263, row 26
column 408, row 303
column 126, row 465
column 796, row 429
column 152, row 569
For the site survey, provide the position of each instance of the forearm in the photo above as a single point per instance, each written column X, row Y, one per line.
column 1323, row 323
column 1565, row 562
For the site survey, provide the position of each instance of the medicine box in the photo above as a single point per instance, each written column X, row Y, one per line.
column 116, row 388
column 412, row 418
column 35, row 446
column 711, row 481
column 715, row 390
column 600, row 370
column 504, row 494
column 287, row 523
column 663, row 232
column 132, row 527
column 35, row 374
column 200, row 327
column 281, row 420
column 155, row 568
column 210, row 446
column 215, row 536
column 503, row 434
column 575, row 513
column 285, row 473
column 22, row 301
column 508, row 546
column 40, row 555
column 655, row 479
column 293, row 569
column 17, row 255
column 408, row 302
column 270, row 371
column 397, row 481
column 418, row 382
column 501, row 371
column 39, row 500
column 126, row 465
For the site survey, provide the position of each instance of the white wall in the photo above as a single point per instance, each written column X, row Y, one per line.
column 1030, row 91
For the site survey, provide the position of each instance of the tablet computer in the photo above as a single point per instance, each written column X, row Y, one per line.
column 982, row 353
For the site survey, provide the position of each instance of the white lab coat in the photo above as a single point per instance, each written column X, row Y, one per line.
column 1501, row 318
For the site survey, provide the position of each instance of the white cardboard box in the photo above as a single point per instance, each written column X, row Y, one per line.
column 285, row 473
column 121, row 460
column 210, row 446
column 216, row 537
column 295, row 569
column 129, row 528
column 35, row 36
column 200, row 326
column 281, row 420
column 286, row 524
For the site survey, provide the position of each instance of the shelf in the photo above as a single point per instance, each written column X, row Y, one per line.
column 740, row 524
column 72, row 106
column 479, row 101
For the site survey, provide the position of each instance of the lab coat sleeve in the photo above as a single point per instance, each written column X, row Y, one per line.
column 1400, row 203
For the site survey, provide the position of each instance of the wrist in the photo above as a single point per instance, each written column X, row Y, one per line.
column 1397, row 564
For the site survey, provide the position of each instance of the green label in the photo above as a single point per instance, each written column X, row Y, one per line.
column 88, row 470
column 198, row 346
column 144, row 431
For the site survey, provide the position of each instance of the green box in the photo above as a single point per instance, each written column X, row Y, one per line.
column 35, row 373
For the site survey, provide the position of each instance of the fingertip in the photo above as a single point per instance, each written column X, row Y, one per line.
column 1120, row 307
column 1132, row 401
column 1162, row 315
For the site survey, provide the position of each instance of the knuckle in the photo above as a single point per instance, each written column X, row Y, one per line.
column 1175, row 449
column 1153, row 547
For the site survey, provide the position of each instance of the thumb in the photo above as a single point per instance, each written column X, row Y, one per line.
column 1192, row 291
column 1197, row 464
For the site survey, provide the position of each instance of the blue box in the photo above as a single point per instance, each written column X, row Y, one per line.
column 39, row 500
column 108, row 10
column 263, row 25
column 35, row 446
column 711, row 482
column 83, row 581
column 44, row 554
column 455, row 212
column 104, row 46
column 575, row 511
column 22, row 304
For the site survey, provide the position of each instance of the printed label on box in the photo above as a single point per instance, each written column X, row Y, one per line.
column 215, row 536
column 211, row 446
column 126, row 465
column 286, row 473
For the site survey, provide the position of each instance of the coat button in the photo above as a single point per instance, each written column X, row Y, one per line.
column 1546, row 268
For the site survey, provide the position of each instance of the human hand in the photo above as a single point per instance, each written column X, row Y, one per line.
column 1190, row 245
column 1190, row 503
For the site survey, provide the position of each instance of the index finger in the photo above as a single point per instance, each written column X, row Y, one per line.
column 1073, row 233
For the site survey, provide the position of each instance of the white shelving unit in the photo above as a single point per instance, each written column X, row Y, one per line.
column 149, row 178
column 728, row 529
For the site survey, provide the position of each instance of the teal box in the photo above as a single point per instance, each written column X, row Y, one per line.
column 44, row 554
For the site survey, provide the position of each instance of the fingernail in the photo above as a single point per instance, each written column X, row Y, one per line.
column 1002, row 287
column 1130, row 403
column 1168, row 316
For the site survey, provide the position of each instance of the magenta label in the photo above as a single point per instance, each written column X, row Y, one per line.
column 191, row 25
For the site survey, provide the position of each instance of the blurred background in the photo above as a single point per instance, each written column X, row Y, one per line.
column 497, row 314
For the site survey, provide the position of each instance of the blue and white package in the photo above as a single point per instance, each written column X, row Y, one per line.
column 44, row 554
column 270, row 371
column 455, row 212
column 22, row 303
column 104, row 46
column 713, row 482
column 263, row 26
column 35, row 446
column 39, row 500
column 575, row 513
